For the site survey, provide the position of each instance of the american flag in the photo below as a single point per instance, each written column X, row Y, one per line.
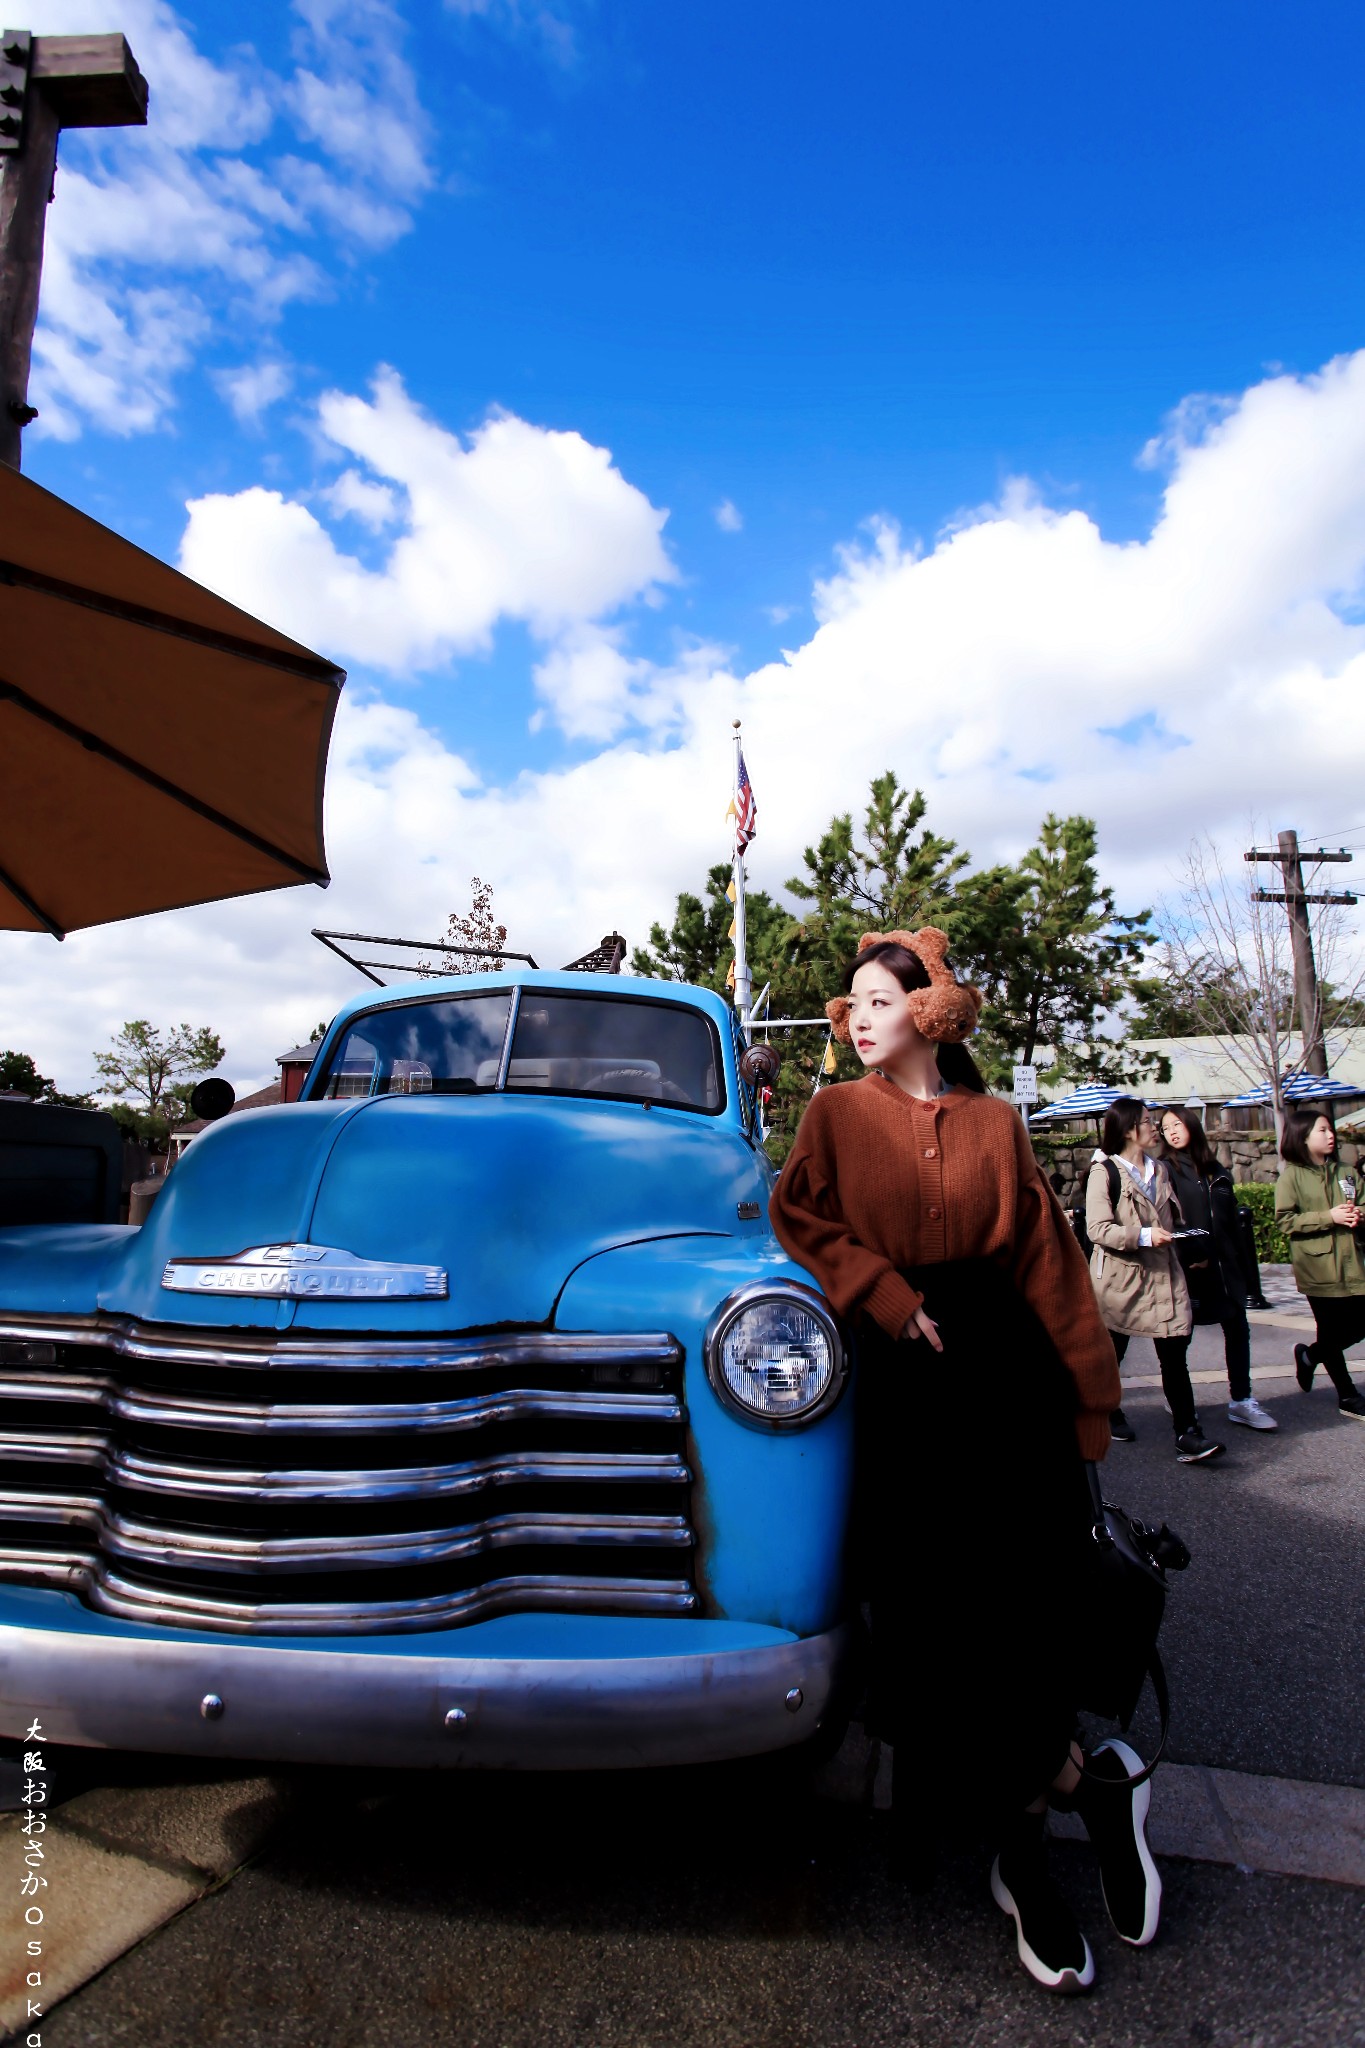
column 745, row 810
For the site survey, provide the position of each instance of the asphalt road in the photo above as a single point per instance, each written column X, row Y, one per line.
column 721, row 1913
column 729, row 1907
column 1264, row 1637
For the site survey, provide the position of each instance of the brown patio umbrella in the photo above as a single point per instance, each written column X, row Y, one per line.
column 158, row 747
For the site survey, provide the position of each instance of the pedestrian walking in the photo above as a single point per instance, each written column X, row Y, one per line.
column 985, row 1377
column 1131, row 1216
column 1317, row 1208
column 1219, row 1283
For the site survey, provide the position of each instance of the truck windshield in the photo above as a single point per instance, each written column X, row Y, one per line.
column 617, row 1046
column 450, row 1047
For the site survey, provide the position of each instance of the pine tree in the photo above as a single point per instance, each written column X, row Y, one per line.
column 1042, row 938
column 158, row 1069
column 697, row 946
column 893, row 880
column 1061, row 961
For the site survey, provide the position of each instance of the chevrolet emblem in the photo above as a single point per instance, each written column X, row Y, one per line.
column 305, row 1272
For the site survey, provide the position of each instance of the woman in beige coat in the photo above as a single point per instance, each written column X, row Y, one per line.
column 1132, row 1216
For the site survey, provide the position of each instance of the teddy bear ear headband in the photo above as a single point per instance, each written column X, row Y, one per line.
column 945, row 1013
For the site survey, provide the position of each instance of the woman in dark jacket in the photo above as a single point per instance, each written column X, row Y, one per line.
column 1218, row 1282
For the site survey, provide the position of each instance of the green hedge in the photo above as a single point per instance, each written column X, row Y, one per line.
column 1272, row 1247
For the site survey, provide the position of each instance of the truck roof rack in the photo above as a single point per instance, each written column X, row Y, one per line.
column 338, row 942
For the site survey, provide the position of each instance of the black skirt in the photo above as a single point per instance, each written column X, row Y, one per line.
column 971, row 1522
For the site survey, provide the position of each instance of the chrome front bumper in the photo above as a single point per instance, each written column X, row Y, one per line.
column 321, row 1705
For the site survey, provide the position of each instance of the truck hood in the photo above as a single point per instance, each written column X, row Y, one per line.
column 506, row 1194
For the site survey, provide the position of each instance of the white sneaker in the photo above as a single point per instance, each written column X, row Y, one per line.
column 1251, row 1414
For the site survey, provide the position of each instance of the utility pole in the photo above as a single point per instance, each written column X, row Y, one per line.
column 1289, row 860
column 47, row 83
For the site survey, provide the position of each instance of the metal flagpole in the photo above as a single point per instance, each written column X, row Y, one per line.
column 743, row 982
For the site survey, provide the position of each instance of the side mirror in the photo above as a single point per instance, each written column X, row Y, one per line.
column 213, row 1098
column 760, row 1065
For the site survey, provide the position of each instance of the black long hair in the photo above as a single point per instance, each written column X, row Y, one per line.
column 955, row 1063
column 1204, row 1158
column 1121, row 1119
column 1294, row 1137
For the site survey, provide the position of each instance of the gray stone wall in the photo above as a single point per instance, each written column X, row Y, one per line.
column 1251, row 1156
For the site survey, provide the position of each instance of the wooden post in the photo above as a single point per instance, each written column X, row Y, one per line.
column 53, row 82
column 1305, row 967
column 1288, row 858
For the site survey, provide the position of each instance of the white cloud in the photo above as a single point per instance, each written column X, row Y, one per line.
column 728, row 516
column 254, row 388
column 593, row 689
column 983, row 669
column 210, row 216
column 360, row 106
column 514, row 522
column 354, row 496
column 589, row 684
column 545, row 23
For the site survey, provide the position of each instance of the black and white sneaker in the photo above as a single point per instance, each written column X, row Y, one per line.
column 1051, row 1946
column 1192, row 1447
column 1303, row 1367
column 1121, row 1429
column 1116, row 1821
column 1352, row 1406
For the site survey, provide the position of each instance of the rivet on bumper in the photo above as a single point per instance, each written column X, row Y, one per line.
column 211, row 1707
column 455, row 1720
column 796, row 1699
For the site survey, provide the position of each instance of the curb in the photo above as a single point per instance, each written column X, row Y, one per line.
column 1277, row 1827
column 1205, row 1375
column 120, row 1862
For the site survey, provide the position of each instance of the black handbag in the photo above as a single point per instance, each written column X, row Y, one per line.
column 1129, row 1560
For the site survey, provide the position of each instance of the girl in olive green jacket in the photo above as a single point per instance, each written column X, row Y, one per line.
column 1317, row 1209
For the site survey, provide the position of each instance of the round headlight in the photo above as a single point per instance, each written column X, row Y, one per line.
column 774, row 1355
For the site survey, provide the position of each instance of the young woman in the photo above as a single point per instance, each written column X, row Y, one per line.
column 1218, row 1282
column 1321, row 1216
column 1131, row 1216
column 985, row 1376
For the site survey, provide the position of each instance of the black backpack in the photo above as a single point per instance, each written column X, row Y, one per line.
column 1077, row 1216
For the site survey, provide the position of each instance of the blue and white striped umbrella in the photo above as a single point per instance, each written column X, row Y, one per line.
column 1091, row 1100
column 1297, row 1088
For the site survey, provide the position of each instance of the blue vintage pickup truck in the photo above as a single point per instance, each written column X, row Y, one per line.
column 465, row 1412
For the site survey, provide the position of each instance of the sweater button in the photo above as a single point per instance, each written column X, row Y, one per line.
column 931, row 1151
column 934, row 1215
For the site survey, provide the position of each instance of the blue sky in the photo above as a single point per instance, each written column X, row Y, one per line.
column 820, row 270
column 826, row 268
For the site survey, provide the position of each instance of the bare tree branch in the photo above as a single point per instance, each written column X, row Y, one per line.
column 1235, row 955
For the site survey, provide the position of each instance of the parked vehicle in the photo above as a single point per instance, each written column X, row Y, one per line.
column 58, row 1165
column 464, row 1412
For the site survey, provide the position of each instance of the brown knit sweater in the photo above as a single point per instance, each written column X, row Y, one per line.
column 878, row 1180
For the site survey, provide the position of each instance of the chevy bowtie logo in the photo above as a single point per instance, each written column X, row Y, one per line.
column 305, row 1272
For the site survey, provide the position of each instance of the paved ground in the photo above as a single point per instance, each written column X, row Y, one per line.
column 1264, row 1633
column 717, row 1913
column 732, row 1907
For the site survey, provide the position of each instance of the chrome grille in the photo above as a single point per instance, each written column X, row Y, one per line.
column 297, row 1484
